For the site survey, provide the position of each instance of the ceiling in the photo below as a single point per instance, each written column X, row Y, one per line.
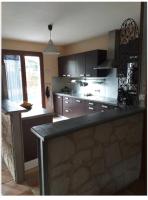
column 72, row 21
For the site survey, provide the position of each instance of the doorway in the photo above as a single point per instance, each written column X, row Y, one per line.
column 24, row 76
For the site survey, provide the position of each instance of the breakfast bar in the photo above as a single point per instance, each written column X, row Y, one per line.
column 99, row 153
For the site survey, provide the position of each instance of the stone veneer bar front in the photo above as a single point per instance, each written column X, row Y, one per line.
column 12, row 139
column 97, row 154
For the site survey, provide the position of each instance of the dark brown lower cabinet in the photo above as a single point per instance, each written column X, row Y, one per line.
column 78, row 107
column 58, row 104
column 75, row 107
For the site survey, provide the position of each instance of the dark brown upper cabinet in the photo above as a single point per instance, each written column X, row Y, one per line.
column 92, row 60
column 67, row 67
column 82, row 64
column 62, row 66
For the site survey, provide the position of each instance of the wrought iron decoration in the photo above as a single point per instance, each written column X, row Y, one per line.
column 129, row 31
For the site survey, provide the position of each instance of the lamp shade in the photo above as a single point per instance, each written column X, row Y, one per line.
column 51, row 48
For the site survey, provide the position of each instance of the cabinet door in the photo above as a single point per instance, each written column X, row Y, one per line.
column 78, row 107
column 62, row 66
column 58, row 104
column 92, row 60
column 90, row 63
column 80, row 64
column 70, row 66
column 66, row 65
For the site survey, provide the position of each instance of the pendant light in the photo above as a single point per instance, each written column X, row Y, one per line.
column 51, row 48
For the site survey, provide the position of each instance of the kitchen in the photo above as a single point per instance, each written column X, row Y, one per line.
column 86, row 84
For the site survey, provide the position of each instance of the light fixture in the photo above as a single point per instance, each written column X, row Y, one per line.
column 51, row 48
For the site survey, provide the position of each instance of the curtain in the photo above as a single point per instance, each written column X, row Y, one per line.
column 13, row 77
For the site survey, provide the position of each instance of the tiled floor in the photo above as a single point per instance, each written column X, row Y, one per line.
column 31, row 184
column 29, row 187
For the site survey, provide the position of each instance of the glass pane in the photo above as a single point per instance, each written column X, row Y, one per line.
column 32, row 64
column 14, row 78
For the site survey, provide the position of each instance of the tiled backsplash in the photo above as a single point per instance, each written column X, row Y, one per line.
column 103, row 87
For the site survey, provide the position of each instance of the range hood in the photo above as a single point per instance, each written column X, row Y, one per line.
column 113, row 51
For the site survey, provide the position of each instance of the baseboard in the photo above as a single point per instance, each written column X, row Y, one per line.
column 31, row 164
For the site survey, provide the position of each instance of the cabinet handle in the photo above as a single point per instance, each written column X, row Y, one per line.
column 66, row 98
column 68, row 75
column 90, row 103
column 78, row 101
column 59, row 97
column 133, row 57
column 67, row 111
column 87, row 75
column 81, row 75
column 66, row 102
column 90, row 108
column 64, row 75
column 104, row 106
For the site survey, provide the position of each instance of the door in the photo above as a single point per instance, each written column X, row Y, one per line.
column 24, row 76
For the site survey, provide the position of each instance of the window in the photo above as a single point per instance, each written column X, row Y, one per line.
column 24, row 75
column 33, row 79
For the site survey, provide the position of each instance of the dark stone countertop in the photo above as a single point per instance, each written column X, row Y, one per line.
column 36, row 112
column 9, row 107
column 105, row 100
column 47, row 131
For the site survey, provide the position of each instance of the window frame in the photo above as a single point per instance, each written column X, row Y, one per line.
column 22, row 55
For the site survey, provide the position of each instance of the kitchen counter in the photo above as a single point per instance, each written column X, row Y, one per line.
column 51, row 130
column 9, row 107
column 109, row 101
column 36, row 112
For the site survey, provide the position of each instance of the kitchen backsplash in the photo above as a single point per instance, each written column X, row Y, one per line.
column 104, row 87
